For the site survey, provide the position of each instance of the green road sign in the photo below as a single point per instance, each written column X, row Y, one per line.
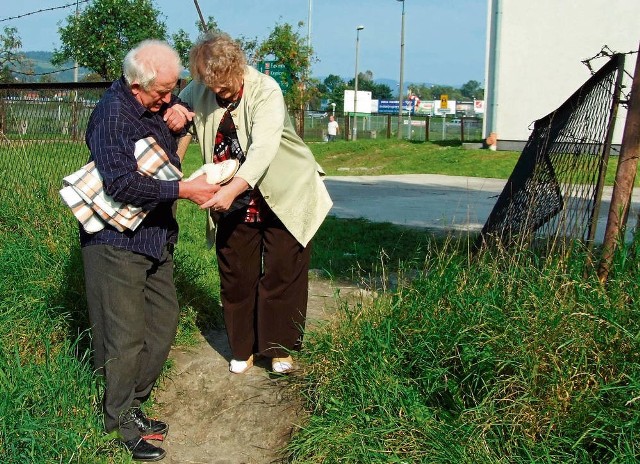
column 278, row 71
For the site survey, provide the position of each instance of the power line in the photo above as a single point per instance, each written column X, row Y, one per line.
column 42, row 74
column 43, row 10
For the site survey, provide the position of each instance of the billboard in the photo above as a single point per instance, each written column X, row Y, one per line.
column 391, row 106
column 425, row 108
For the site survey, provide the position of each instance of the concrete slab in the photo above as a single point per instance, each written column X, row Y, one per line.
column 433, row 201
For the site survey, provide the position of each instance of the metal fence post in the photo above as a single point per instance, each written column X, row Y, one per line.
column 461, row 128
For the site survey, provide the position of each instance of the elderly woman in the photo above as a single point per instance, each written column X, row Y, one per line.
column 263, row 220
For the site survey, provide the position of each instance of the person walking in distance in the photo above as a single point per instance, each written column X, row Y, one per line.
column 332, row 129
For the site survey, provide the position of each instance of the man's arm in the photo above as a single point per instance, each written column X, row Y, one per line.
column 197, row 190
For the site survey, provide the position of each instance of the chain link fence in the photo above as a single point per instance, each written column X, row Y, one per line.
column 375, row 126
column 42, row 129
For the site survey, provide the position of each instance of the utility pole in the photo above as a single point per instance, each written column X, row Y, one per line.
column 625, row 177
column 400, row 89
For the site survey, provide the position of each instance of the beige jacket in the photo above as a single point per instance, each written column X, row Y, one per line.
column 278, row 161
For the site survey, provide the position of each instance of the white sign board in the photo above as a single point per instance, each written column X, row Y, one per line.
column 364, row 101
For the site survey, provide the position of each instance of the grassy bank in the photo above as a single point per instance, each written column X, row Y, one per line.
column 380, row 157
column 503, row 359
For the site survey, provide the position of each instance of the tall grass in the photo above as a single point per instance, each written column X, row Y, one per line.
column 499, row 359
column 49, row 397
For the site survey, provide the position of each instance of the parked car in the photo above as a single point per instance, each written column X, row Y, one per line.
column 317, row 114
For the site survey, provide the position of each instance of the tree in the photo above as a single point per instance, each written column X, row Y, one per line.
column 11, row 58
column 99, row 37
column 366, row 82
column 183, row 43
column 288, row 47
column 472, row 89
column 332, row 90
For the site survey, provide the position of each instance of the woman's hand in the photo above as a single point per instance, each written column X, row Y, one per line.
column 221, row 201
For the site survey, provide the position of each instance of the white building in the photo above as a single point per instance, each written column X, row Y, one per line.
column 535, row 51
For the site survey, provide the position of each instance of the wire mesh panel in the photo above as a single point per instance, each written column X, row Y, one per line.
column 553, row 189
column 42, row 134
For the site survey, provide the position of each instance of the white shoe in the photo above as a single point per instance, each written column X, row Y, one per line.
column 282, row 365
column 240, row 367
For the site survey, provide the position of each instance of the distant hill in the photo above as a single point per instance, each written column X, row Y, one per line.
column 391, row 83
column 42, row 65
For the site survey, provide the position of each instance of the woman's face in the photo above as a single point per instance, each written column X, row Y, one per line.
column 228, row 90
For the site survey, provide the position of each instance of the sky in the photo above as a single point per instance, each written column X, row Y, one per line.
column 444, row 40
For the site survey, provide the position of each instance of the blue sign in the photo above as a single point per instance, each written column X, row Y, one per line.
column 391, row 106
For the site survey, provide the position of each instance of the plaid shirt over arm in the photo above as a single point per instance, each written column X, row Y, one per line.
column 85, row 195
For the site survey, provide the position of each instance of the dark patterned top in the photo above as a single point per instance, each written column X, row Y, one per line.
column 116, row 124
column 227, row 147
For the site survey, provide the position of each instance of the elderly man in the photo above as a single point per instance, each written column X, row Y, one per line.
column 131, row 296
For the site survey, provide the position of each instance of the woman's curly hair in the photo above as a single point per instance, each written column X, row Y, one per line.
column 217, row 59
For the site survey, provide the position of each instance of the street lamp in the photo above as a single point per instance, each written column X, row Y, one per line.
column 333, row 109
column 354, row 129
column 401, row 74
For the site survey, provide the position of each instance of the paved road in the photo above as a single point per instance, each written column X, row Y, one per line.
column 431, row 200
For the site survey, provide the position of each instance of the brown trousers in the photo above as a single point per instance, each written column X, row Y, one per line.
column 264, row 278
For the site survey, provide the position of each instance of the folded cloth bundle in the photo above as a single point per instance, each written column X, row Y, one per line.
column 83, row 191
column 217, row 173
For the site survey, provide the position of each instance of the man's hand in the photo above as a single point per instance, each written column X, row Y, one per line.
column 177, row 117
column 197, row 190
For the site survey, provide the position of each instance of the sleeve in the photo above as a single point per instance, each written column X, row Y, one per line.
column 175, row 100
column 112, row 145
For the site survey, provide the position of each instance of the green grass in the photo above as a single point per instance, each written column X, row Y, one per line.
column 379, row 157
column 382, row 156
column 500, row 359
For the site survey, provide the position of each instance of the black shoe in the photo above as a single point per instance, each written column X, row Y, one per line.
column 145, row 425
column 142, row 450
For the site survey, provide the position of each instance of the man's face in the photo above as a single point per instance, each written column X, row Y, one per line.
column 159, row 92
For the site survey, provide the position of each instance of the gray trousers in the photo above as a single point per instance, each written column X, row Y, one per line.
column 133, row 311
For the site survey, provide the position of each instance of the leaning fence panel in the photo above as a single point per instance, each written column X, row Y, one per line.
column 554, row 190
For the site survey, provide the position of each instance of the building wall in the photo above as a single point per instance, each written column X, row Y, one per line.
column 534, row 57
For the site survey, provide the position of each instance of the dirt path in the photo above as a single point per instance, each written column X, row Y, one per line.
column 217, row 417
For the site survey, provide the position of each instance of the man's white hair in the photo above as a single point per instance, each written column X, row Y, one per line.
column 141, row 64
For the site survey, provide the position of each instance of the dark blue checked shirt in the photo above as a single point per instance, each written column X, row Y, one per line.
column 116, row 124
